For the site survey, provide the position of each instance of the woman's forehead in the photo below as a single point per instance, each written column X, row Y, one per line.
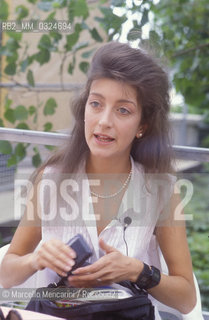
column 106, row 86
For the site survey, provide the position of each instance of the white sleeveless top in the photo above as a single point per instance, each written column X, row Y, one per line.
column 143, row 202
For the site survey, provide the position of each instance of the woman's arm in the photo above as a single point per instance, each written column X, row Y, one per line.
column 177, row 289
column 18, row 263
column 21, row 261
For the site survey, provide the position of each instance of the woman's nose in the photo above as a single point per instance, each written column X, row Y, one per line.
column 105, row 119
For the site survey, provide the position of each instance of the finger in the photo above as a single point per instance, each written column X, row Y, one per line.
column 50, row 261
column 104, row 246
column 59, row 251
column 88, row 277
column 95, row 267
column 67, row 250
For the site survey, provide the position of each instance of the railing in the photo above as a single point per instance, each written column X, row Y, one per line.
column 55, row 139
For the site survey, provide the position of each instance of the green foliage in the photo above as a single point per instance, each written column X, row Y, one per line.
column 186, row 44
column 36, row 159
column 50, row 107
column 95, row 35
column 4, row 12
column 30, row 78
column 198, row 231
column 84, row 66
column 5, row 147
column 19, row 115
column 10, row 69
column 22, row 12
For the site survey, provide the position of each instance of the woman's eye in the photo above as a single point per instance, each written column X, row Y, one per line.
column 94, row 104
column 124, row 110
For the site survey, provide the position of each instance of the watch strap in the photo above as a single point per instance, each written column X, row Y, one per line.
column 149, row 277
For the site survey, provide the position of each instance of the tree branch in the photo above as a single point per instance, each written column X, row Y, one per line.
column 183, row 52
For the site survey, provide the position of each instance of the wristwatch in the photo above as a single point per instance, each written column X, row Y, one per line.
column 149, row 277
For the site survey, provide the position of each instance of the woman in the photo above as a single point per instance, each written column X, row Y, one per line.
column 120, row 153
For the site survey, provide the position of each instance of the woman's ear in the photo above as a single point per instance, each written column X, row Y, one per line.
column 141, row 131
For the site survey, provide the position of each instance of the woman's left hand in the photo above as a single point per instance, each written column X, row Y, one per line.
column 112, row 267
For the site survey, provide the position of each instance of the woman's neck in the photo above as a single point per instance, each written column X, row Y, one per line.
column 107, row 166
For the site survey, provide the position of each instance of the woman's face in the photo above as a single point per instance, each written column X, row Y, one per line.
column 112, row 118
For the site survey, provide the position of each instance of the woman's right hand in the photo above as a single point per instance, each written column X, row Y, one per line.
column 56, row 255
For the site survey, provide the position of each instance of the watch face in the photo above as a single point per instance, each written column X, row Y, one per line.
column 145, row 280
column 149, row 277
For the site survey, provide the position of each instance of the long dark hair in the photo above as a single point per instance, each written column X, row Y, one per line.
column 119, row 61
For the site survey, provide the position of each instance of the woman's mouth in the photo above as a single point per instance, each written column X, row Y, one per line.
column 103, row 138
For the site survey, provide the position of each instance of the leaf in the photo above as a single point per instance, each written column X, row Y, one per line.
column 71, row 66
column 95, row 35
column 111, row 21
column 50, row 107
column 48, row 126
column 12, row 44
column 32, row 1
column 80, row 8
column 43, row 56
column 84, row 66
column 8, row 103
column 51, row 16
column 20, row 151
column 30, row 78
column 87, row 54
column 22, row 126
column 9, row 115
column 58, row 4
column 56, row 36
column 80, row 46
column 22, row 12
column 4, row 12
column 36, row 160
column 50, row 147
column 71, row 40
column 20, row 113
column 24, row 64
column 10, row 69
column 35, row 149
column 12, row 161
column 32, row 110
column 144, row 19
column 1, row 123
column 45, row 42
column 5, row 147
column 12, row 58
column 15, row 35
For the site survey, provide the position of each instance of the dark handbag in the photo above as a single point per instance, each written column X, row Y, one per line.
column 137, row 307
